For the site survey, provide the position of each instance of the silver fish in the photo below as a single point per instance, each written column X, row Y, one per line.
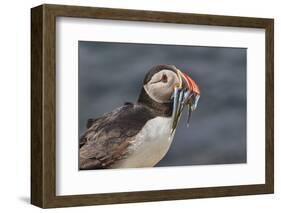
column 182, row 98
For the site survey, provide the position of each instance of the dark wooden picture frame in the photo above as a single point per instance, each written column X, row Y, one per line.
column 43, row 105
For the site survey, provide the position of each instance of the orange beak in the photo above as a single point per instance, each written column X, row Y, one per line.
column 193, row 87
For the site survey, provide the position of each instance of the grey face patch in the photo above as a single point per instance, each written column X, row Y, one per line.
column 156, row 69
column 161, row 85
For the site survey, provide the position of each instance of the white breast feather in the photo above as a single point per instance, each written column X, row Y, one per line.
column 150, row 145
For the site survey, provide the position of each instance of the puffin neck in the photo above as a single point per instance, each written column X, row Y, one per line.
column 158, row 109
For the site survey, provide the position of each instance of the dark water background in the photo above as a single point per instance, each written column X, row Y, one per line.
column 112, row 73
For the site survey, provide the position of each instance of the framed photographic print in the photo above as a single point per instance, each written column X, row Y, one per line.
column 135, row 106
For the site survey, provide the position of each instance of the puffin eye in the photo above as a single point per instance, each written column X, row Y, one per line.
column 164, row 78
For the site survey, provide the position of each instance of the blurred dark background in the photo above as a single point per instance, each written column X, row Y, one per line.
column 112, row 73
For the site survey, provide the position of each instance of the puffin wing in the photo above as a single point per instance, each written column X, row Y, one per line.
column 107, row 138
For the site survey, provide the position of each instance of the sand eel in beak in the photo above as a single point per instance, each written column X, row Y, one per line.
column 184, row 96
column 140, row 134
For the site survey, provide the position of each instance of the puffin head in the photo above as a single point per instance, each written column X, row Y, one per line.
column 167, row 84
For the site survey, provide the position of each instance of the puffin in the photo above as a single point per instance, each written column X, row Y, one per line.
column 138, row 135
